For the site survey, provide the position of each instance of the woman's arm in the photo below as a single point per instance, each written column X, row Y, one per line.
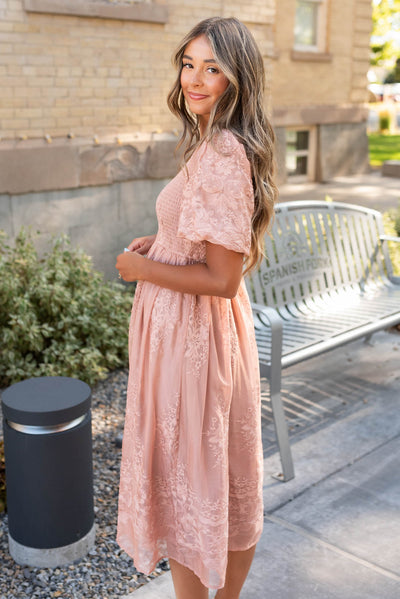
column 220, row 275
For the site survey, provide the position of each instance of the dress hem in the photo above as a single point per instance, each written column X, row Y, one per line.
column 180, row 561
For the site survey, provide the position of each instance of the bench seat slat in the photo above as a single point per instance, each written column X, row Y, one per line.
column 310, row 343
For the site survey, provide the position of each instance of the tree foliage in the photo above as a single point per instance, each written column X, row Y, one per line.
column 394, row 75
column 386, row 22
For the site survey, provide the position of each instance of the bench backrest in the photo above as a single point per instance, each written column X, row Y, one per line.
column 316, row 247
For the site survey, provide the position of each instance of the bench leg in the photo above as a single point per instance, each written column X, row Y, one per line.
column 367, row 339
column 281, row 428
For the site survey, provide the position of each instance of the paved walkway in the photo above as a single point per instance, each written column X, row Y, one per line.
column 333, row 532
column 371, row 190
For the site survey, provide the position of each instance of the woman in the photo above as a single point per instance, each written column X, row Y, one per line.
column 191, row 473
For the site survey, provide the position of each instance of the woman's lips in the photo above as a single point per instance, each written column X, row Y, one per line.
column 193, row 96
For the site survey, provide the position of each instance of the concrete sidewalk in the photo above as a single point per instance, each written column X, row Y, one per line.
column 333, row 532
column 370, row 189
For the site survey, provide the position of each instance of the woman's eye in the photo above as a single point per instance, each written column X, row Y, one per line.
column 213, row 70
column 186, row 65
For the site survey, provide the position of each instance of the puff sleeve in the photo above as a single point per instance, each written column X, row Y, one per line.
column 218, row 200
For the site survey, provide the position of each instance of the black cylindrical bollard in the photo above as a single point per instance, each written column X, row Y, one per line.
column 49, row 477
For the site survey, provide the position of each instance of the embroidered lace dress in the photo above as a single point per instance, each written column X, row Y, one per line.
column 191, row 472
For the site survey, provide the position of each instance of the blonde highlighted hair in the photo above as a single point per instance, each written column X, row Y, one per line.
column 239, row 109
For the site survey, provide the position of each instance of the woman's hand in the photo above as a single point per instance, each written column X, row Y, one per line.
column 130, row 266
column 220, row 275
column 142, row 245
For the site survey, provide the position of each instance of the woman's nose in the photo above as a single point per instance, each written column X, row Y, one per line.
column 196, row 77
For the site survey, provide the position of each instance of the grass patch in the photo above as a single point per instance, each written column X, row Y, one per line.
column 383, row 147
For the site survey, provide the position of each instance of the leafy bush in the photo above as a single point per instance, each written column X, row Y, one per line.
column 384, row 121
column 57, row 314
column 396, row 220
column 391, row 221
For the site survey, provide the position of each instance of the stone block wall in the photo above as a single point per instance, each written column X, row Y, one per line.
column 34, row 166
column 100, row 219
column 343, row 150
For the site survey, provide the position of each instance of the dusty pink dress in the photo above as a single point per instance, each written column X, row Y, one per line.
column 191, row 472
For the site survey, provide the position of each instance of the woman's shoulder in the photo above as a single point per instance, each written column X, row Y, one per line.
column 224, row 147
column 225, row 142
column 221, row 159
column 222, row 154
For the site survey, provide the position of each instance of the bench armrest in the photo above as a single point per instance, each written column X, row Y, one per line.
column 389, row 238
column 272, row 316
column 269, row 317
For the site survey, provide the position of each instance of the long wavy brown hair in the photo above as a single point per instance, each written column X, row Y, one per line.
column 240, row 109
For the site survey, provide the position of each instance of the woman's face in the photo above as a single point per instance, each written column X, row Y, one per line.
column 202, row 80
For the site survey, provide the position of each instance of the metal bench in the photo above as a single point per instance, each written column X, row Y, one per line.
column 327, row 280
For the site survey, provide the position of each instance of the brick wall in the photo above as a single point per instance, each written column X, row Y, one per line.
column 67, row 73
column 335, row 77
column 361, row 50
column 63, row 74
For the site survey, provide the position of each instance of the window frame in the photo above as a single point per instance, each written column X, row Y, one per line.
column 310, row 153
column 321, row 30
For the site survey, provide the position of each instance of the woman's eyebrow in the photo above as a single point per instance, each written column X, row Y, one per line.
column 205, row 60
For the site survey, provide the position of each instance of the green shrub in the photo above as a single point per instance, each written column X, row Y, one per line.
column 396, row 220
column 57, row 314
column 384, row 121
column 391, row 221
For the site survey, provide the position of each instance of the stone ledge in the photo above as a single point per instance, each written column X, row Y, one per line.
column 34, row 166
column 311, row 56
column 139, row 11
column 328, row 114
column 391, row 168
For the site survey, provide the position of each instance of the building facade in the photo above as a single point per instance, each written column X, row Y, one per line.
column 319, row 86
column 87, row 141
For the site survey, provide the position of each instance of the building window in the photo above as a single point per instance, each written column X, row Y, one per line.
column 310, row 26
column 300, row 154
